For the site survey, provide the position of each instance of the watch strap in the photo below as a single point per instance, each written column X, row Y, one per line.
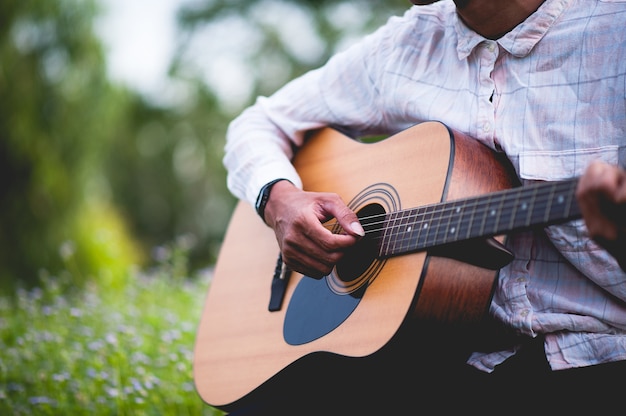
column 264, row 196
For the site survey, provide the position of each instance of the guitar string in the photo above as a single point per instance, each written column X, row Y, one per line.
column 491, row 211
column 449, row 204
column 481, row 207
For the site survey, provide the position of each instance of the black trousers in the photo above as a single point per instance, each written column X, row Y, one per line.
column 524, row 384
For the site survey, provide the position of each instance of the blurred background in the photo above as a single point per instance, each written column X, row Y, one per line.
column 113, row 201
column 113, row 113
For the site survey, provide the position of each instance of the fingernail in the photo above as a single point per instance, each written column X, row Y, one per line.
column 356, row 227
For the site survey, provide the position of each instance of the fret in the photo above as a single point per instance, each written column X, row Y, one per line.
column 551, row 204
column 387, row 235
column 458, row 228
column 443, row 224
column 446, row 215
column 507, row 210
column 471, row 221
column 524, row 204
column 572, row 210
column 485, row 214
column 442, row 221
column 562, row 197
column 426, row 227
column 406, row 226
column 530, row 204
column 394, row 227
column 495, row 211
column 540, row 205
column 416, row 234
column 432, row 226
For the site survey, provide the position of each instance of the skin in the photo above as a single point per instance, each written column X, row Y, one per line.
column 601, row 195
column 296, row 216
column 492, row 18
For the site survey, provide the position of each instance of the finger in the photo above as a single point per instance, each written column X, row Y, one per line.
column 349, row 221
column 310, row 255
column 602, row 198
column 312, row 266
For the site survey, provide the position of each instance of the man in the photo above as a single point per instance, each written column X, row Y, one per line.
column 540, row 81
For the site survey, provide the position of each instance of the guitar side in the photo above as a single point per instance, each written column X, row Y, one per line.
column 240, row 345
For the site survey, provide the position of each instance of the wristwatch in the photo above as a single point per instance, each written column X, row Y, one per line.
column 264, row 196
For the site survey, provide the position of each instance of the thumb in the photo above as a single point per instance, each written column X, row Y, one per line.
column 350, row 222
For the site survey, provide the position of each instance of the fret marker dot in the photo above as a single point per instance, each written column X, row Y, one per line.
column 408, row 229
column 492, row 212
column 452, row 230
column 425, row 225
column 524, row 206
column 560, row 199
column 458, row 210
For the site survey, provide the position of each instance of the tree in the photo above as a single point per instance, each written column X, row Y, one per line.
column 58, row 115
column 276, row 40
column 92, row 175
column 168, row 179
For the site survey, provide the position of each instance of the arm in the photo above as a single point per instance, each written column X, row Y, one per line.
column 262, row 141
column 258, row 151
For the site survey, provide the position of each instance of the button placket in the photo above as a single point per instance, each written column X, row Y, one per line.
column 486, row 120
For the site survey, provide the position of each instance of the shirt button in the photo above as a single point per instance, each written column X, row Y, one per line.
column 521, row 280
column 491, row 46
column 487, row 127
column 524, row 313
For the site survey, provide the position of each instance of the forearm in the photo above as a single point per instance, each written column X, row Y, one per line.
column 256, row 152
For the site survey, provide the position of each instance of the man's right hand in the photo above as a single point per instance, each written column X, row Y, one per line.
column 297, row 218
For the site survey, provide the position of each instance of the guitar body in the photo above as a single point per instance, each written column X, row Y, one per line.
column 243, row 349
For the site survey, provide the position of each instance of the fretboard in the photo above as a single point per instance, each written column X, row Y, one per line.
column 482, row 216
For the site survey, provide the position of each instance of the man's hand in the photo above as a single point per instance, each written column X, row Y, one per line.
column 306, row 245
column 601, row 195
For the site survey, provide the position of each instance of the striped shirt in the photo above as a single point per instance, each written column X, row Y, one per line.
column 551, row 94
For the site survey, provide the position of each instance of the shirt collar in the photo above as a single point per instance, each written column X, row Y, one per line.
column 522, row 39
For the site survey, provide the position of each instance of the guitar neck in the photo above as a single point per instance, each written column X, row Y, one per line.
column 483, row 216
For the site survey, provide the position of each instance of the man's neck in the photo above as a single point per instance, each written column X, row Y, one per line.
column 494, row 18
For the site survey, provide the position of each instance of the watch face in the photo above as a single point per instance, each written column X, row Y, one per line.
column 262, row 195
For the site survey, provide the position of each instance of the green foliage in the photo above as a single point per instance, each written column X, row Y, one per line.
column 100, row 351
column 91, row 169
column 56, row 117
column 333, row 23
column 167, row 176
column 92, row 176
column 105, row 246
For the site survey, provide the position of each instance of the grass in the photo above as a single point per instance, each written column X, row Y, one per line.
column 99, row 351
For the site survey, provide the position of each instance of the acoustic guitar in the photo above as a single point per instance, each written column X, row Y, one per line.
column 435, row 205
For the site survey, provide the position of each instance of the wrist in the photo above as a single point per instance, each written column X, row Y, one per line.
column 264, row 196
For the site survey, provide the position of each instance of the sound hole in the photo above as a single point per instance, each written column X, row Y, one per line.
column 359, row 257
